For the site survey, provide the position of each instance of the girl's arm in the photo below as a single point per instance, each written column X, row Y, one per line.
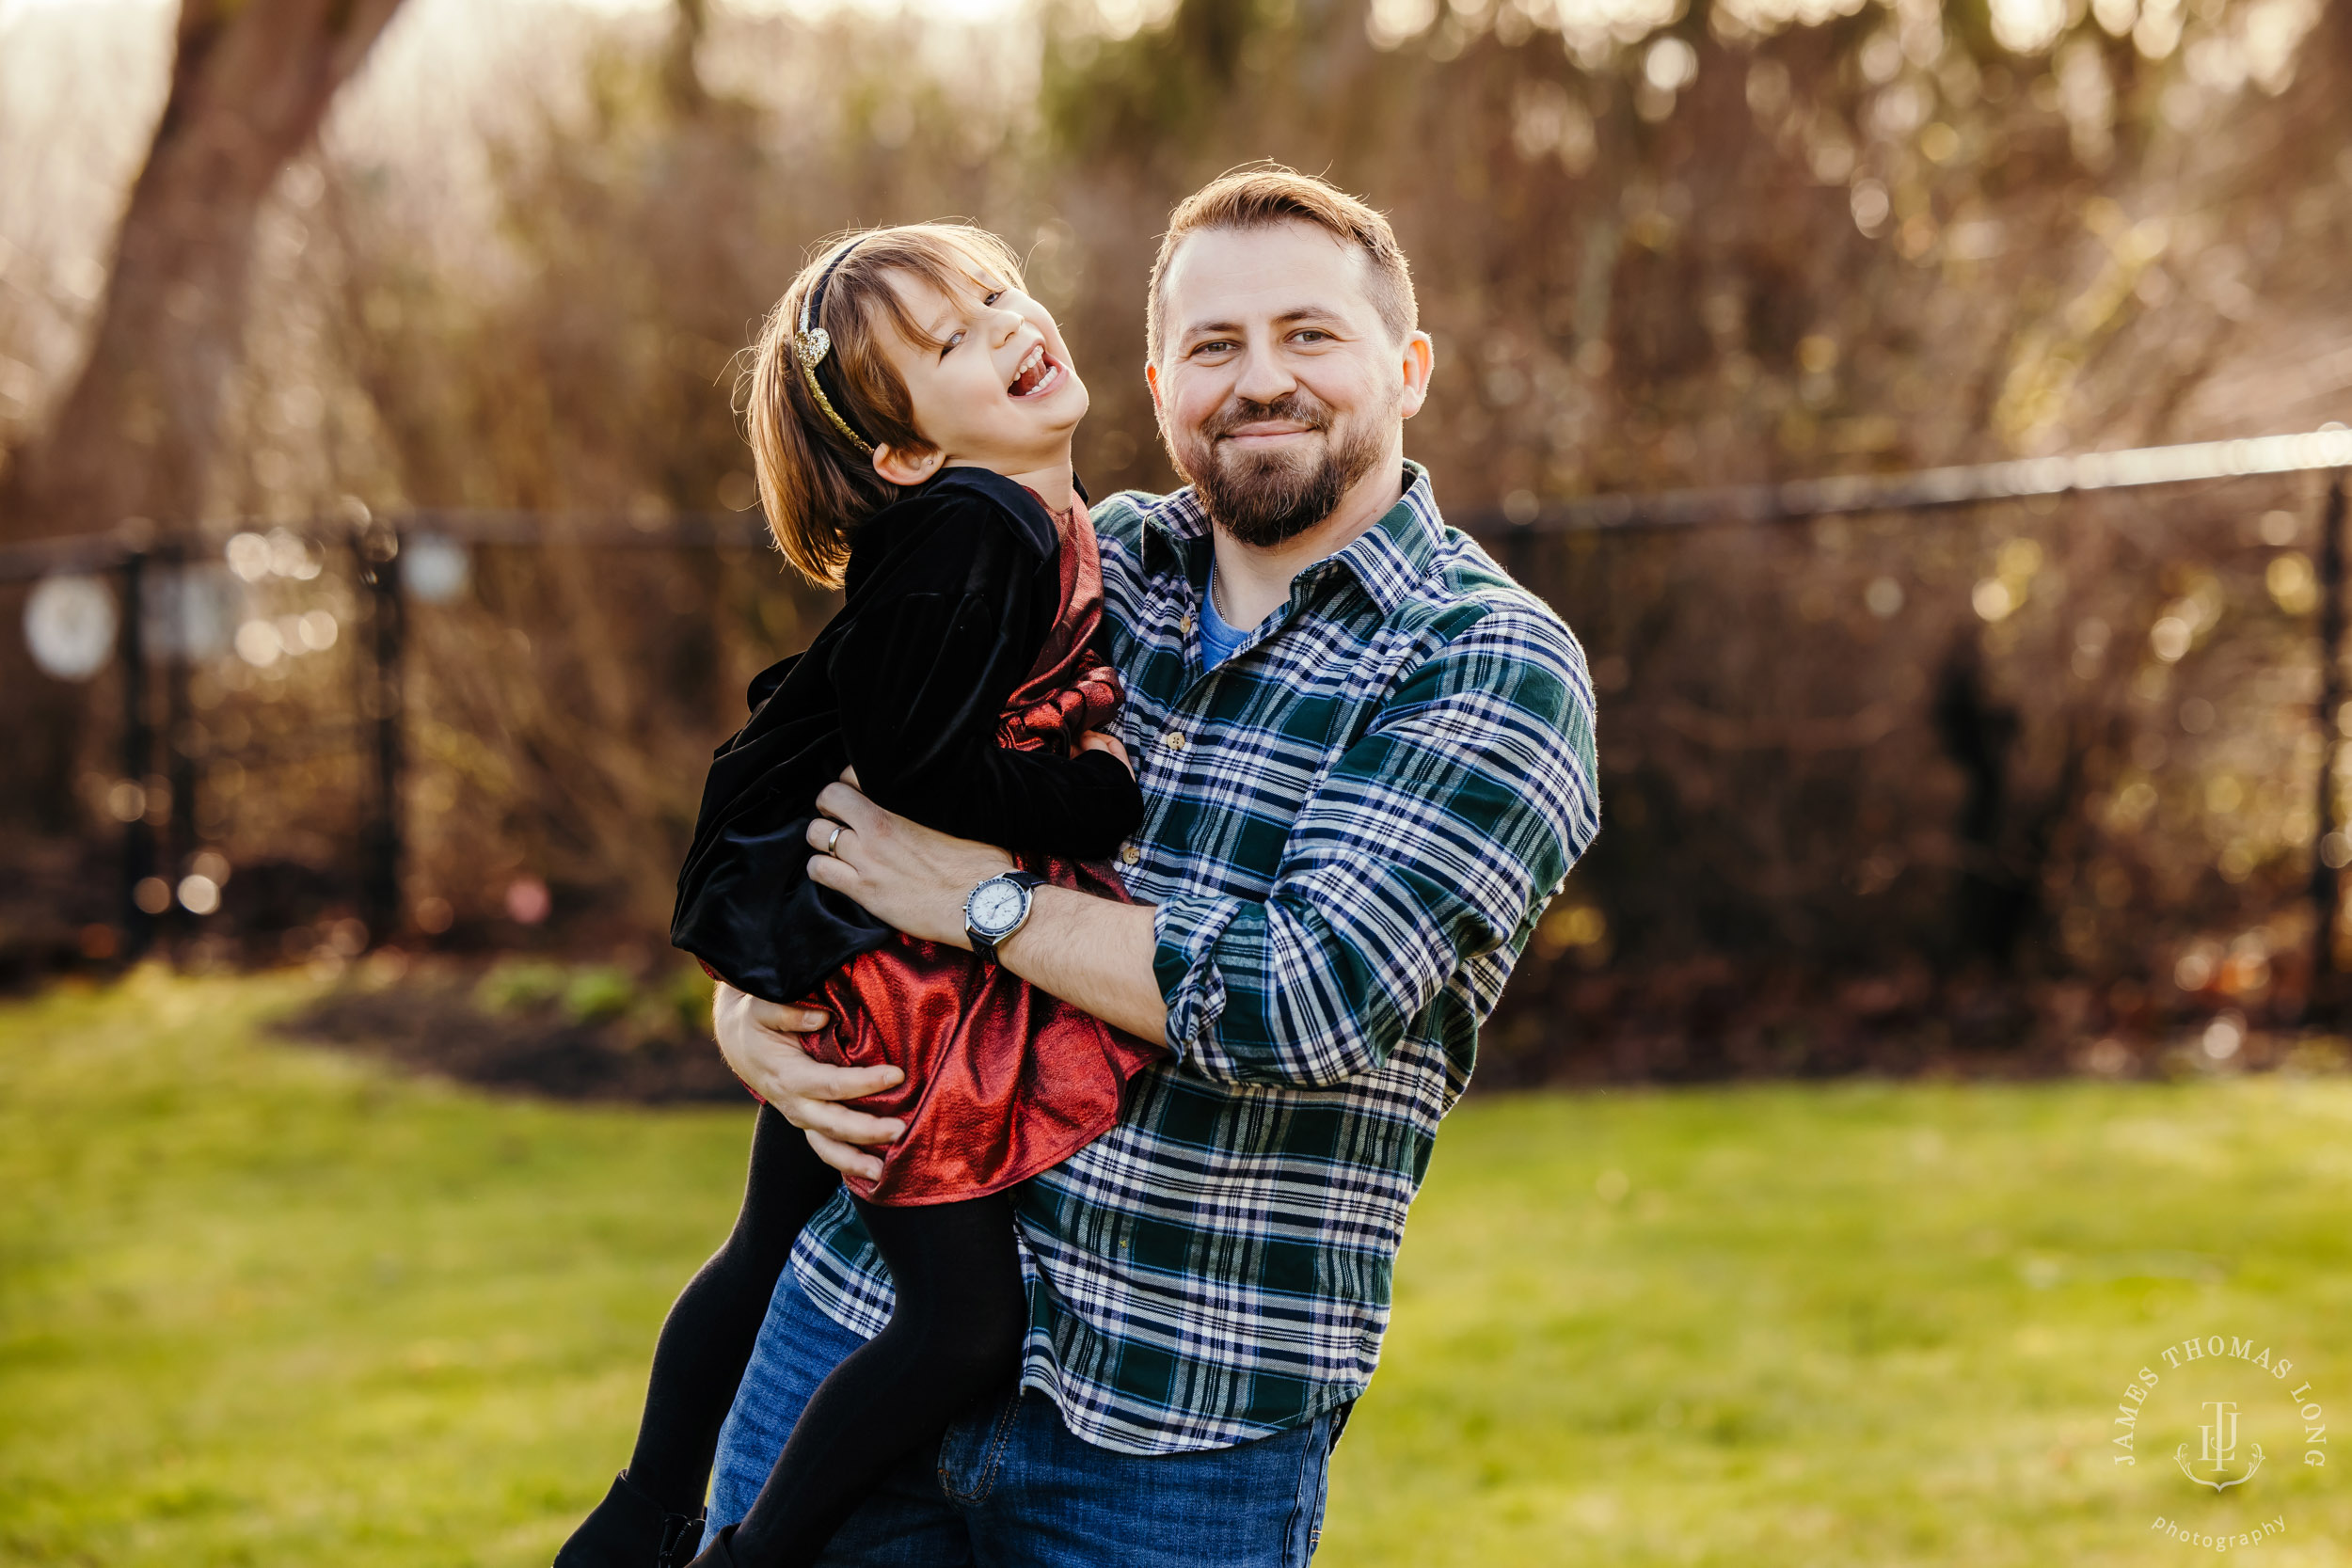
column 924, row 675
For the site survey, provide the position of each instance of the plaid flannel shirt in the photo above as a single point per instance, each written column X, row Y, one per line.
column 1350, row 830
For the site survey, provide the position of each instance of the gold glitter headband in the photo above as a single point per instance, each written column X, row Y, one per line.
column 812, row 342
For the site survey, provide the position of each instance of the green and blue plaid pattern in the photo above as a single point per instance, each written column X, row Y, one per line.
column 1350, row 829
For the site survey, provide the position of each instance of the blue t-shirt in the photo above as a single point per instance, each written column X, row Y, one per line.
column 1218, row 641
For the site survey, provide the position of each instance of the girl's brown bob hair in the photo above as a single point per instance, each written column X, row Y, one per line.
column 816, row 486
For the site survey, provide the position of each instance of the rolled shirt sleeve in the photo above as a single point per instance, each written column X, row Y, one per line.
column 1429, row 842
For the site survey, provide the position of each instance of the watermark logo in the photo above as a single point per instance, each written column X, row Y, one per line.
column 2219, row 1447
column 2212, row 1408
column 2217, row 1436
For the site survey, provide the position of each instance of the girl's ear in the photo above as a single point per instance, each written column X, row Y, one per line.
column 901, row 467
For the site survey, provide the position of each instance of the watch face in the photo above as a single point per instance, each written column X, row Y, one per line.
column 995, row 905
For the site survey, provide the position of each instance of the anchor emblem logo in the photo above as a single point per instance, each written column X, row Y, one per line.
column 2217, row 1447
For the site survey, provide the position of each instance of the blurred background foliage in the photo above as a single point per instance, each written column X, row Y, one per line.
column 1878, row 789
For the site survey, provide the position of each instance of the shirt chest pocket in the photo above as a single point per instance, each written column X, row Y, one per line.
column 1230, row 765
column 1345, row 715
column 1252, row 780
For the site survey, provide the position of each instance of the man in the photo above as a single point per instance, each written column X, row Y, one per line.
column 1367, row 761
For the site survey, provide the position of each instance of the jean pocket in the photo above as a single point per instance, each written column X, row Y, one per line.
column 974, row 1447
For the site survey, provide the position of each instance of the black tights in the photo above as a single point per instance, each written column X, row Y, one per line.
column 954, row 1335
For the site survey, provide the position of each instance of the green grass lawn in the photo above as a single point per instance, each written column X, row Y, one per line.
column 263, row 1304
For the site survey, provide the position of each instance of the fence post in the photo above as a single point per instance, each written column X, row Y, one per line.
column 2327, row 879
column 179, row 762
column 138, row 744
column 379, row 547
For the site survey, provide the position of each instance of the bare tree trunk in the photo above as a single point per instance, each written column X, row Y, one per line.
column 250, row 82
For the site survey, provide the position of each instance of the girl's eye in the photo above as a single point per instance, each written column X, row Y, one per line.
column 949, row 346
column 991, row 296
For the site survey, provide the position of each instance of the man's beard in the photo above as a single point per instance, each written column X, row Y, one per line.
column 1266, row 498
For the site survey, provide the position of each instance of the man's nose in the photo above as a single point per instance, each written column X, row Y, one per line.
column 1264, row 377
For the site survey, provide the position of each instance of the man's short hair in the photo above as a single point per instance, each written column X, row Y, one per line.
column 1260, row 196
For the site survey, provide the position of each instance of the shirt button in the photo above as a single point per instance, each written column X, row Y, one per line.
column 1173, row 740
column 1184, row 623
column 1129, row 854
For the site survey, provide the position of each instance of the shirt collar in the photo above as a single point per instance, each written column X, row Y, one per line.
column 1386, row 560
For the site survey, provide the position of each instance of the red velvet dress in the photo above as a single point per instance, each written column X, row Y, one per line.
column 1002, row 1079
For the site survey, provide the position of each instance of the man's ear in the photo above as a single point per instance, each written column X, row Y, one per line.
column 901, row 467
column 1159, row 402
column 1421, row 362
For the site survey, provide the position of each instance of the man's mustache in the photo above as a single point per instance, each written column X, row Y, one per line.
column 1292, row 408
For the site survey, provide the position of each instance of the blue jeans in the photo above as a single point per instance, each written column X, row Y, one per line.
column 1011, row 1487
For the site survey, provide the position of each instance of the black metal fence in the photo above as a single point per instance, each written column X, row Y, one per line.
column 158, row 606
column 1521, row 531
column 153, row 605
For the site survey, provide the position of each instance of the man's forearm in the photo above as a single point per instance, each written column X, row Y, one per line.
column 1094, row 955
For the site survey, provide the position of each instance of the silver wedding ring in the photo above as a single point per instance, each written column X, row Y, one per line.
column 837, row 831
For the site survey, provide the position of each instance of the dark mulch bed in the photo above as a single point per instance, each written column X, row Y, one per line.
column 1713, row 1020
column 1706, row 1021
column 433, row 1024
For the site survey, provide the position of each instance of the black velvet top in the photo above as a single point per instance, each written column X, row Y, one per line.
column 950, row 594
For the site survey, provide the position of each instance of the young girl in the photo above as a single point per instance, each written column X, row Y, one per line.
column 911, row 411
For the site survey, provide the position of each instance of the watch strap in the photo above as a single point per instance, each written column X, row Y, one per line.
column 983, row 943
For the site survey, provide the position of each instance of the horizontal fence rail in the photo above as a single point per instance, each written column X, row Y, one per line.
column 106, row 551
column 1926, row 489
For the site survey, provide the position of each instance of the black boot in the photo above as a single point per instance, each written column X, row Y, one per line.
column 630, row 1530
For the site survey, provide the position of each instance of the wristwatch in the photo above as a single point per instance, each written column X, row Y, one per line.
column 996, row 908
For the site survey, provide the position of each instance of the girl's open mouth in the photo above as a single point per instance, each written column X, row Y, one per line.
column 1037, row 372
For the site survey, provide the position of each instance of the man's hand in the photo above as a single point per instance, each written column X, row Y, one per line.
column 907, row 875
column 761, row 1041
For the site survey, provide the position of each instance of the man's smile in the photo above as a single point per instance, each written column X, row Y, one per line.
column 1261, row 433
